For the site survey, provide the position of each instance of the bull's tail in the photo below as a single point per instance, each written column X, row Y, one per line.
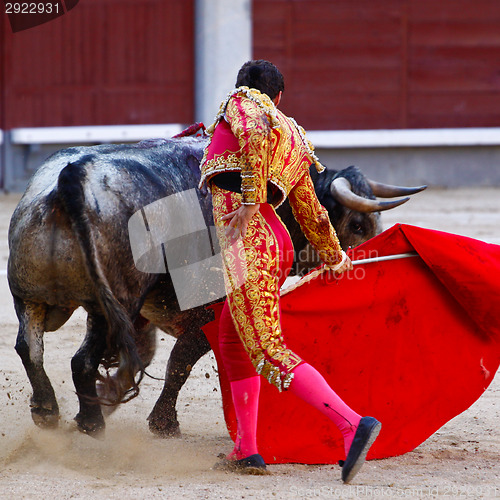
column 121, row 348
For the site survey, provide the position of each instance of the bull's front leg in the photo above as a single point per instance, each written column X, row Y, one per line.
column 84, row 366
column 188, row 349
column 29, row 346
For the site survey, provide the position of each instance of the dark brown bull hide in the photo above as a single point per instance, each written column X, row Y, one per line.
column 69, row 247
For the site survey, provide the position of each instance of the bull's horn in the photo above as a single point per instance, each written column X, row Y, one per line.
column 389, row 191
column 341, row 190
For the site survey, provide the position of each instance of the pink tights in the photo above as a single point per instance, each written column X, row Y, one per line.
column 310, row 386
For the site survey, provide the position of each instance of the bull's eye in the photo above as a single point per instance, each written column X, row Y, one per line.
column 356, row 228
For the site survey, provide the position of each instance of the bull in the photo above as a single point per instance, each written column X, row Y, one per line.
column 69, row 247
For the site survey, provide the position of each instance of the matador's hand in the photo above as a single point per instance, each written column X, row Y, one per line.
column 346, row 266
column 239, row 220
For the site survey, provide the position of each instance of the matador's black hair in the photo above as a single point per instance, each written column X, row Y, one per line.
column 261, row 75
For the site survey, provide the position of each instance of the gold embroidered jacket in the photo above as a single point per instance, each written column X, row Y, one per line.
column 251, row 136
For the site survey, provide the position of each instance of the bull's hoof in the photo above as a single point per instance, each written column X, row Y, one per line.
column 94, row 426
column 105, row 395
column 45, row 418
column 164, row 429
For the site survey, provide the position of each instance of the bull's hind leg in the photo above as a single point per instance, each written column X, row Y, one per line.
column 188, row 349
column 29, row 346
column 84, row 365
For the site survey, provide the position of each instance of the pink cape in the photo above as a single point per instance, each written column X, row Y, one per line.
column 413, row 342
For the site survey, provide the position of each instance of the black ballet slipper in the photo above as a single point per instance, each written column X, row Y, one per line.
column 366, row 433
column 252, row 465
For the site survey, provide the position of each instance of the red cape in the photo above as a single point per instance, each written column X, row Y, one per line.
column 413, row 342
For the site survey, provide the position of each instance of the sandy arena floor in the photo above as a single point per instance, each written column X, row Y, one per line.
column 461, row 460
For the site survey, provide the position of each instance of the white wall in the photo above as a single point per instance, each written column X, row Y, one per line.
column 223, row 42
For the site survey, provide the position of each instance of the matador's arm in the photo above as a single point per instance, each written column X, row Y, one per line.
column 314, row 221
